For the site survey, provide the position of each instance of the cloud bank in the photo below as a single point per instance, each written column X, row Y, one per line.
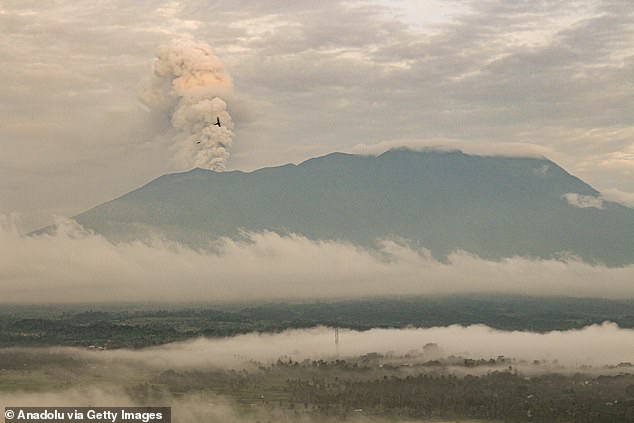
column 106, row 377
column 596, row 345
column 77, row 266
column 481, row 148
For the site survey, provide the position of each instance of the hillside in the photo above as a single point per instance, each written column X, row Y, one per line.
column 494, row 207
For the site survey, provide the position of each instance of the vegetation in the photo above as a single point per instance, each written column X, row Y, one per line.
column 341, row 388
column 135, row 327
column 373, row 385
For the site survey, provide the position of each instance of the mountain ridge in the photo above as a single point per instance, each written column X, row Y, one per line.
column 491, row 206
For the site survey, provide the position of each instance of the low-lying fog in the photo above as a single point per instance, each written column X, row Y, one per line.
column 77, row 266
column 81, row 377
column 596, row 345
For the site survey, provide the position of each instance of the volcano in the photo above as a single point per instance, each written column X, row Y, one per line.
column 491, row 206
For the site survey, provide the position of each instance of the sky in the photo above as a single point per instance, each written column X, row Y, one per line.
column 554, row 78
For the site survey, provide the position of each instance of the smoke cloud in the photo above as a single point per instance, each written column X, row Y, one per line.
column 74, row 265
column 190, row 84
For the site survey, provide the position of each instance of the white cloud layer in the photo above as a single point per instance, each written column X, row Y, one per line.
column 596, row 345
column 75, row 266
column 481, row 148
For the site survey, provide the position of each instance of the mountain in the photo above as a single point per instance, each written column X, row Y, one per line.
column 494, row 207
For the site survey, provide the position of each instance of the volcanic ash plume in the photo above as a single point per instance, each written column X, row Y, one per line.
column 189, row 83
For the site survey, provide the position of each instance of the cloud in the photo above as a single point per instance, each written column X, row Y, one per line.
column 583, row 201
column 596, row 345
column 482, row 148
column 618, row 196
column 612, row 195
column 76, row 266
column 325, row 76
column 130, row 377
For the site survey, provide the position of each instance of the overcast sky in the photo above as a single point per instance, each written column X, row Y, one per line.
column 309, row 78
